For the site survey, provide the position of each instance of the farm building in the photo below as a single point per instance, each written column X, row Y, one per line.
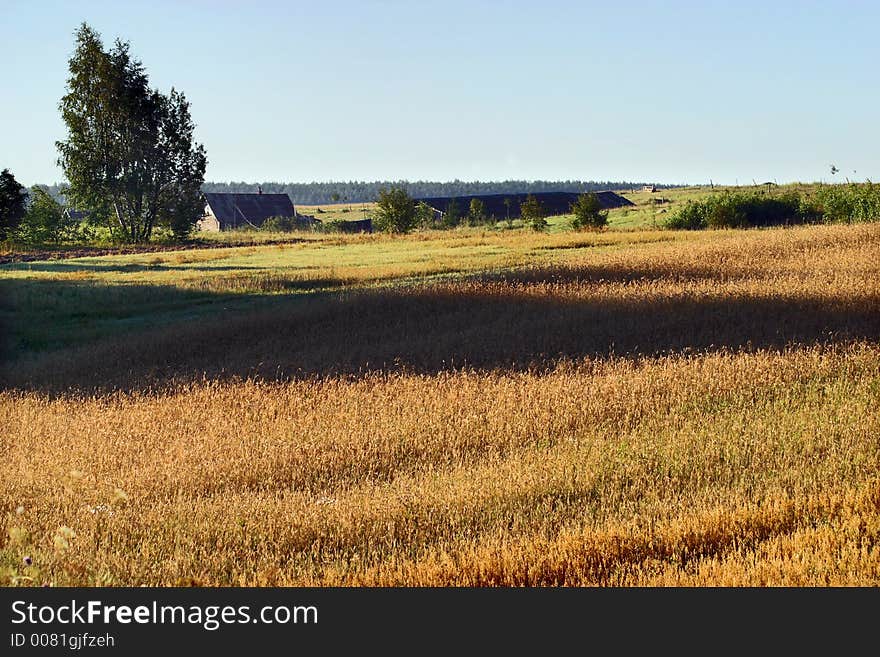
column 229, row 211
column 75, row 215
column 504, row 206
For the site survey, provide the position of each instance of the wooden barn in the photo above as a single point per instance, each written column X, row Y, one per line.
column 504, row 206
column 229, row 211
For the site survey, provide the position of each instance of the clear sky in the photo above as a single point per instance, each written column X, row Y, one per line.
column 669, row 92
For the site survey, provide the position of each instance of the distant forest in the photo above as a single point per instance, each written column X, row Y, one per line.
column 315, row 193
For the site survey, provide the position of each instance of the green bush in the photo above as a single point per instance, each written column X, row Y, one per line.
column 333, row 226
column 588, row 212
column 848, row 203
column 46, row 222
column 740, row 210
column 287, row 224
column 424, row 217
column 829, row 204
column 532, row 213
column 477, row 213
column 278, row 224
column 452, row 216
column 345, row 226
column 691, row 216
column 395, row 211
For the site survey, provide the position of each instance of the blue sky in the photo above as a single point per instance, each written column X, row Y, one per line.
column 669, row 92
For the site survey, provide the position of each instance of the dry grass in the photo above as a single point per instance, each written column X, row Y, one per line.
column 702, row 412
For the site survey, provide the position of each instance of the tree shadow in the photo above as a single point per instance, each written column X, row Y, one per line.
column 486, row 322
column 77, row 251
column 43, row 314
column 79, row 266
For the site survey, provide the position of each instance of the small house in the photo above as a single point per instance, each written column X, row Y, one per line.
column 75, row 215
column 230, row 211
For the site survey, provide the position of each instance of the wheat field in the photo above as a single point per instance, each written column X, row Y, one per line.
column 697, row 412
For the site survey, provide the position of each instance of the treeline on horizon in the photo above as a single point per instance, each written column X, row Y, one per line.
column 316, row 193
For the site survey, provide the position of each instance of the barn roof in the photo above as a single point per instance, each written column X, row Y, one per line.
column 553, row 202
column 242, row 209
column 76, row 215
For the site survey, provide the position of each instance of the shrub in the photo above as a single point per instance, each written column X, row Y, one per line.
column 424, row 215
column 452, row 216
column 278, row 224
column 532, row 213
column 588, row 212
column 691, row 216
column 45, row 221
column 287, row 224
column 477, row 213
column 740, row 210
column 395, row 211
column 848, row 203
column 346, row 226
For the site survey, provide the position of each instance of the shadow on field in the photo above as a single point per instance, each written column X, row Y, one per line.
column 61, row 253
column 483, row 323
column 79, row 266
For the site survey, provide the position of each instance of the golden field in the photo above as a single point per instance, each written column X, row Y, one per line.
column 699, row 409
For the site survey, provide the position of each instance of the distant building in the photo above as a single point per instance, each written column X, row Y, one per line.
column 76, row 215
column 230, row 211
column 649, row 188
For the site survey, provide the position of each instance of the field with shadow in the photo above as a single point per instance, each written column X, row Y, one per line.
column 567, row 409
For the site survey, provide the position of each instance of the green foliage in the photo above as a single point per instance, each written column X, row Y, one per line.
column 740, row 210
column 847, row 203
column 343, row 226
column 359, row 191
column 395, row 211
column 46, row 221
column 588, row 212
column 829, row 204
column 424, row 215
column 129, row 155
column 532, row 213
column 477, row 213
column 13, row 204
column 288, row 224
column 452, row 216
column 726, row 211
column 507, row 203
column 333, row 226
column 278, row 224
column 689, row 217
